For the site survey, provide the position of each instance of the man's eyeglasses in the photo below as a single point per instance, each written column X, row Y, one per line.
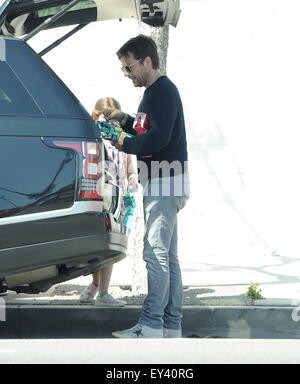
column 128, row 68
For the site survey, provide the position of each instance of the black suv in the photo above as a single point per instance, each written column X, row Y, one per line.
column 58, row 208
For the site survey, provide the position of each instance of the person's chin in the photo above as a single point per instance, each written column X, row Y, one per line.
column 136, row 83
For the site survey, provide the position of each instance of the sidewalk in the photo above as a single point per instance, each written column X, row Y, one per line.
column 226, row 288
column 218, row 310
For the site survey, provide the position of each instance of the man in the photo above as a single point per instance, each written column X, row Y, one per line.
column 159, row 142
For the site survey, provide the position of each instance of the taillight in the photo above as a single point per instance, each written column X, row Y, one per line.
column 91, row 167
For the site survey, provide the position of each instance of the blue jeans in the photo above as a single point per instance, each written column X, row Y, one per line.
column 163, row 304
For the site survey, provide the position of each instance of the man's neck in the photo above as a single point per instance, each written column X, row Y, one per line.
column 155, row 75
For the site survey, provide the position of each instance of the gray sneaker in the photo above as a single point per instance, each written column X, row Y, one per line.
column 172, row 333
column 88, row 295
column 139, row 331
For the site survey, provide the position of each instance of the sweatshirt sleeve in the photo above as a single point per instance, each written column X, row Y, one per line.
column 128, row 127
column 163, row 105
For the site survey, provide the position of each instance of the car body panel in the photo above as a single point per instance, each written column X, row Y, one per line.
column 58, row 241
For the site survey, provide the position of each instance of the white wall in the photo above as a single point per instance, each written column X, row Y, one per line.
column 236, row 64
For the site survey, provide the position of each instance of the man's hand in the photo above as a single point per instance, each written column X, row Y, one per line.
column 121, row 138
column 115, row 114
column 119, row 144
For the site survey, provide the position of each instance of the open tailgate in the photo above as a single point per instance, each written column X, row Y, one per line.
column 20, row 17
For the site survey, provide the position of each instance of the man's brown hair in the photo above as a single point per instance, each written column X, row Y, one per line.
column 140, row 47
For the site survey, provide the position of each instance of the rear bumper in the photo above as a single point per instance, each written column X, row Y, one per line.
column 58, row 240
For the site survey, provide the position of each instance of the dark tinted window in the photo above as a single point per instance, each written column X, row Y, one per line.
column 14, row 98
column 47, row 90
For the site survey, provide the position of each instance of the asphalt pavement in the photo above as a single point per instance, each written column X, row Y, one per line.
column 152, row 359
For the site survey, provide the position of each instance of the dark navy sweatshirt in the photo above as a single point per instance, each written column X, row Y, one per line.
column 162, row 137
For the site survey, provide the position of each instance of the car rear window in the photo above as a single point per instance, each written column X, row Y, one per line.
column 14, row 98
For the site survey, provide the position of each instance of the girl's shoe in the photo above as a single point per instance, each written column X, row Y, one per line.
column 88, row 295
column 109, row 301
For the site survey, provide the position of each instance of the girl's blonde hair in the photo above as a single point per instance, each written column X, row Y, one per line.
column 104, row 103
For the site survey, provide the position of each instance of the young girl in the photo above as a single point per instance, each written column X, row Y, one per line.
column 101, row 279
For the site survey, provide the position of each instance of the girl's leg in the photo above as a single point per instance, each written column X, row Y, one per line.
column 104, row 279
column 96, row 278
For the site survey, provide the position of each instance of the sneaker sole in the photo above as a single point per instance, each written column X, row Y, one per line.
column 86, row 301
column 120, row 336
column 109, row 305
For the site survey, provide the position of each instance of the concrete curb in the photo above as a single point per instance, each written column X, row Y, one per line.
column 75, row 321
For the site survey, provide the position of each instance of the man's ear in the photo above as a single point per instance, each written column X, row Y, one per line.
column 148, row 62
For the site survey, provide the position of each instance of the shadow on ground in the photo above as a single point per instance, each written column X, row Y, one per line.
column 191, row 295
